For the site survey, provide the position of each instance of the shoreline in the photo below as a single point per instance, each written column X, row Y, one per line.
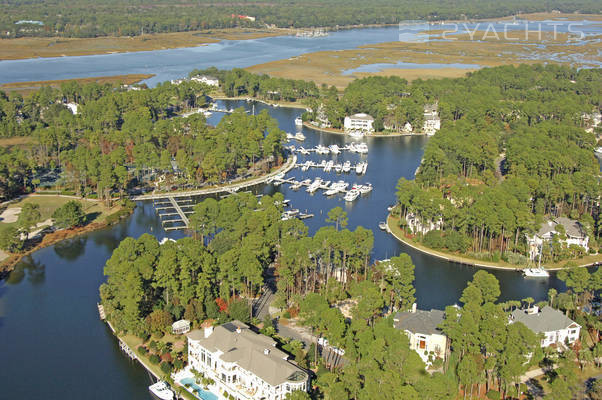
column 272, row 104
column 287, row 166
column 340, row 132
column 8, row 264
column 466, row 261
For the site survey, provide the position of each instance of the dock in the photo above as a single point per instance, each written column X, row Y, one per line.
column 230, row 188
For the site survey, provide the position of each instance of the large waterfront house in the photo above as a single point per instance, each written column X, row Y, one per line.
column 422, row 328
column 573, row 234
column 359, row 122
column 243, row 363
column 432, row 122
column 207, row 80
column 556, row 328
column 417, row 225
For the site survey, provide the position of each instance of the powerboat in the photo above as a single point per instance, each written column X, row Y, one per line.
column 362, row 148
column 359, row 168
column 334, row 149
column 299, row 136
column 290, row 136
column 382, row 225
column 161, row 391
column 298, row 121
column 364, row 189
column 322, row 150
column 347, row 166
column 351, row 195
column 538, row 272
column 329, row 165
column 338, row 168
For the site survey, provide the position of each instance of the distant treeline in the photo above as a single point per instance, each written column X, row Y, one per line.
column 92, row 18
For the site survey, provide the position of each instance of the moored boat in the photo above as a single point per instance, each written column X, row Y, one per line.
column 161, row 391
column 352, row 195
column 538, row 272
column 382, row 225
column 298, row 121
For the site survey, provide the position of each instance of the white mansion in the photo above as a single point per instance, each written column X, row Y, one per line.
column 243, row 363
column 359, row 122
column 574, row 232
column 555, row 327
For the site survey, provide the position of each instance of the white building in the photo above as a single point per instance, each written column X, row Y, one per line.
column 432, row 122
column 421, row 327
column 359, row 122
column 416, row 225
column 180, row 327
column 207, row 80
column 574, row 232
column 556, row 327
column 243, row 363
column 72, row 107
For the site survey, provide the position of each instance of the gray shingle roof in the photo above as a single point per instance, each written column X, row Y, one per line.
column 421, row 321
column 573, row 228
column 248, row 350
column 546, row 320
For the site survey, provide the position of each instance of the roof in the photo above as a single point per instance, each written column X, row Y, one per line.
column 547, row 319
column 573, row 228
column 421, row 321
column 251, row 351
column 180, row 323
column 362, row 116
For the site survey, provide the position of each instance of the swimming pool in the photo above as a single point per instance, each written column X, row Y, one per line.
column 198, row 391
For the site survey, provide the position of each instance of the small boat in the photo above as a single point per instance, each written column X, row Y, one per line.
column 347, row 166
column 356, row 134
column 293, row 212
column 322, row 150
column 334, row 149
column 328, row 166
column 359, row 167
column 362, row 148
column 298, row 121
column 299, row 136
column 296, row 185
column 367, row 188
column 338, row 168
column 351, row 195
column 306, row 182
column 160, row 391
column 306, row 166
column 290, row 136
column 382, row 225
column 538, row 272
column 365, row 167
column 303, row 151
column 331, row 192
column 390, row 208
column 598, row 150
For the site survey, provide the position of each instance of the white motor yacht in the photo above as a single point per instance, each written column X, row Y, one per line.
column 538, row 272
column 367, row 188
column 290, row 136
column 359, row 168
column 362, row 148
column 298, row 121
column 160, row 391
column 347, row 166
column 351, row 195
column 382, row 225
column 338, row 168
column 300, row 136
column 334, row 149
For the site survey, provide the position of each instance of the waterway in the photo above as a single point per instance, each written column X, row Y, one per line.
column 227, row 54
column 54, row 345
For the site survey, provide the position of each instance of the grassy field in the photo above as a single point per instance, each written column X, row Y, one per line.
column 14, row 49
column 96, row 211
column 482, row 49
column 30, row 86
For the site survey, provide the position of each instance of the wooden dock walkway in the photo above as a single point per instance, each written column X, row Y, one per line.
column 178, row 209
column 231, row 188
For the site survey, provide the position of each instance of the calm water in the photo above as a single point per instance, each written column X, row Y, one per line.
column 52, row 343
column 177, row 63
column 54, row 346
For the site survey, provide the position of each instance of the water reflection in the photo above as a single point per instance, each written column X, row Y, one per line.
column 29, row 267
column 71, row 249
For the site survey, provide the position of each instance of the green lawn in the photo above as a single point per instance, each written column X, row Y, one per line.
column 96, row 211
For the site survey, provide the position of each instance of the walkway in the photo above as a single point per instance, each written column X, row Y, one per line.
column 233, row 187
column 178, row 209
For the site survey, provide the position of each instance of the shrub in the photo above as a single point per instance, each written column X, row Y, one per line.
column 154, row 359
column 166, row 367
column 515, row 258
column 434, row 240
column 142, row 350
column 456, row 241
column 286, row 314
column 493, row 395
column 178, row 364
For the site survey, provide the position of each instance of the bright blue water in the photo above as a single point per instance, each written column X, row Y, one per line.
column 200, row 393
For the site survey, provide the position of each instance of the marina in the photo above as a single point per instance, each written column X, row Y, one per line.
column 60, row 282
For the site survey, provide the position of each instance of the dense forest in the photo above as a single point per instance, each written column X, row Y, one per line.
column 240, row 242
column 123, row 136
column 512, row 151
column 87, row 18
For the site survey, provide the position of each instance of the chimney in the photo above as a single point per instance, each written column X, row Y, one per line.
column 414, row 308
column 208, row 331
column 533, row 310
column 238, row 330
column 266, row 351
